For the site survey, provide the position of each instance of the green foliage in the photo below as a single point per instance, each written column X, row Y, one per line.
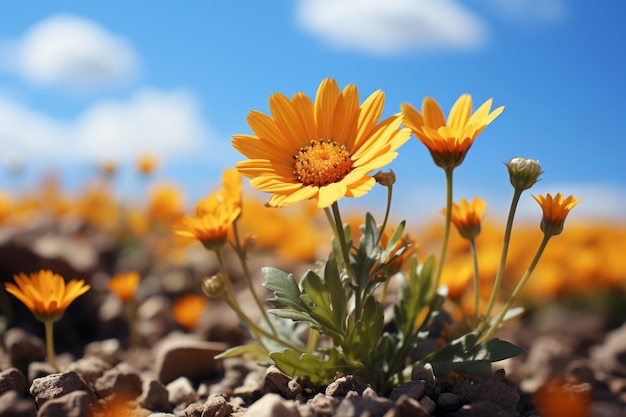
column 340, row 302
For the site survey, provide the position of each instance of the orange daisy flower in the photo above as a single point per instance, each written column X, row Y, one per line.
column 45, row 293
column 555, row 210
column 448, row 142
column 124, row 285
column 323, row 150
column 466, row 217
column 213, row 216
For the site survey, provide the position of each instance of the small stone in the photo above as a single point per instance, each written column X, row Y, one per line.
column 74, row 404
column 39, row 369
column 495, row 388
column 89, row 368
column 359, row 406
column 107, row 350
column 341, row 386
column 272, row 405
column 425, row 372
column 23, row 348
column 409, row 407
column 190, row 358
column 216, row 406
column 428, row 404
column 180, row 391
column 413, row 389
column 121, row 380
column 154, row 396
column 448, row 401
column 57, row 385
column 12, row 379
column 13, row 405
column 277, row 381
column 323, row 405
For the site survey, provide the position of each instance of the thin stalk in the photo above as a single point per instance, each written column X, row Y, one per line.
column 231, row 300
column 516, row 291
column 49, row 325
column 246, row 273
column 476, row 279
column 387, row 211
column 505, row 249
column 446, row 227
column 341, row 237
column 314, row 336
column 130, row 308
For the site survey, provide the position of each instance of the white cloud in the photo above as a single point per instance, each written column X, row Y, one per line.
column 72, row 52
column 392, row 26
column 165, row 124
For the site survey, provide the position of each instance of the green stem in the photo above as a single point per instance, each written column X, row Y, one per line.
column 516, row 291
column 231, row 300
column 476, row 279
column 446, row 230
column 505, row 249
column 387, row 211
column 246, row 272
column 312, row 342
column 130, row 309
column 341, row 237
column 49, row 325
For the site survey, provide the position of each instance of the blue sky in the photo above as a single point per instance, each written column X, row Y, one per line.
column 83, row 82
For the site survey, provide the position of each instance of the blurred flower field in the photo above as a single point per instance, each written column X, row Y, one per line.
column 96, row 233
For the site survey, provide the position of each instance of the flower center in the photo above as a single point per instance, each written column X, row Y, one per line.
column 321, row 163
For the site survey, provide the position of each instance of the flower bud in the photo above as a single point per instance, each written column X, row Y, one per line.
column 523, row 173
column 214, row 286
column 385, row 178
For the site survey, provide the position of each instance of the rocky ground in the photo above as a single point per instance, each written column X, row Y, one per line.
column 575, row 364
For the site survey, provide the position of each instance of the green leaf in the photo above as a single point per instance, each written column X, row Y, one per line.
column 461, row 356
column 318, row 370
column 285, row 288
column 250, row 351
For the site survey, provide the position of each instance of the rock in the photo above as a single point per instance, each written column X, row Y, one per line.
column 155, row 396
column 193, row 359
column 12, row 379
column 323, row 405
column 425, row 372
column 39, row 369
column 494, row 388
column 215, row 406
column 14, row 405
column 279, row 382
column 448, row 401
column 363, row 406
column 180, row 391
column 341, row 386
column 90, row 369
column 74, row 404
column 413, row 389
column 407, row 407
column 57, row 385
column 121, row 380
column 547, row 356
column 23, row 348
column 108, row 350
column 273, row 405
column 610, row 356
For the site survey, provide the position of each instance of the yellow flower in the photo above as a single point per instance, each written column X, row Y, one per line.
column 146, row 164
column 323, row 150
column 188, row 309
column 555, row 210
column 466, row 217
column 449, row 142
column 124, row 285
column 165, row 203
column 214, row 215
column 45, row 293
